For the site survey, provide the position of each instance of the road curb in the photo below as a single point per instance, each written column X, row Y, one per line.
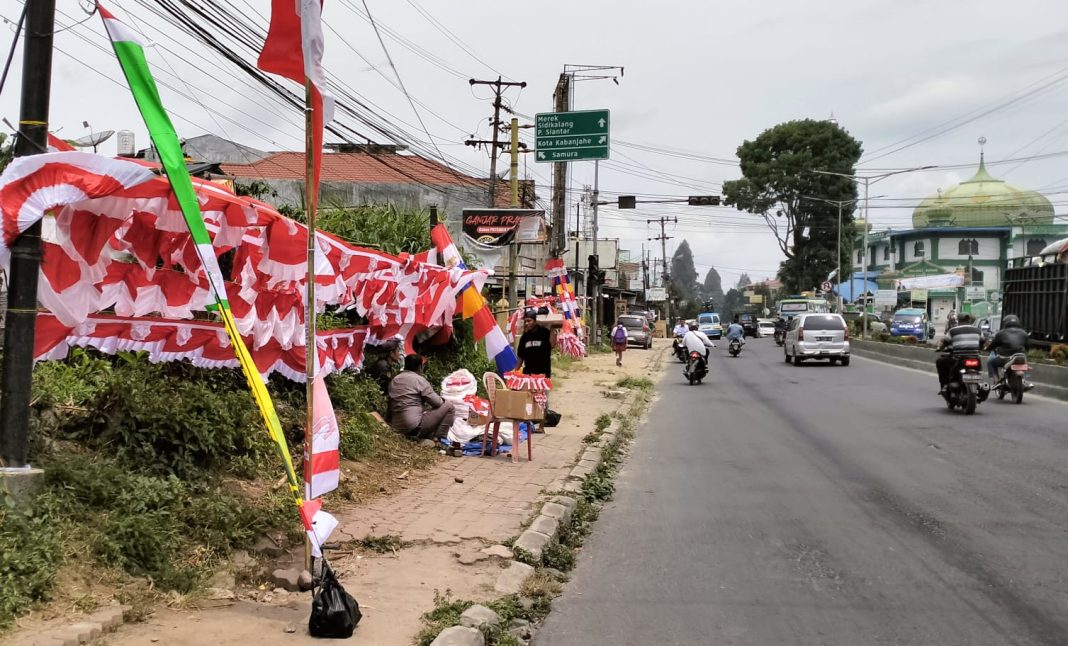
column 84, row 631
column 556, row 511
column 1050, row 381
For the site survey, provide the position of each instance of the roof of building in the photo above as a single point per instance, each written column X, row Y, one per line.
column 355, row 167
column 982, row 201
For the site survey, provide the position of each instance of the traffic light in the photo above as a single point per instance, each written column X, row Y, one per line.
column 597, row 275
column 704, row 200
column 627, row 202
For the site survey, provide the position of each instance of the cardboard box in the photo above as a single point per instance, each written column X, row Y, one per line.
column 551, row 320
column 517, row 404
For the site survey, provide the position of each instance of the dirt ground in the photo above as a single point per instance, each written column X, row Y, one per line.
column 457, row 508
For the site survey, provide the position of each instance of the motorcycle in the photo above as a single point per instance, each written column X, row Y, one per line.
column 679, row 349
column 1012, row 381
column 735, row 347
column 780, row 337
column 966, row 388
column 696, row 369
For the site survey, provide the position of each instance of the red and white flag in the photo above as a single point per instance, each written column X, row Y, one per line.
column 55, row 144
column 322, row 465
column 294, row 49
column 318, row 524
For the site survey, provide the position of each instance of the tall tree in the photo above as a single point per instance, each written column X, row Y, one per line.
column 733, row 303
column 683, row 273
column 778, row 184
column 713, row 287
column 744, row 281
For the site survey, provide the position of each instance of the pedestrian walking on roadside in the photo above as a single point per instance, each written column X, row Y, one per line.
column 619, row 341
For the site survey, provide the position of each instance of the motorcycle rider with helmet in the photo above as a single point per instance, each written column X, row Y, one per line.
column 962, row 341
column 1011, row 339
column 696, row 341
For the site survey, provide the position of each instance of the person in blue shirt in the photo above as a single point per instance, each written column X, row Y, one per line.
column 736, row 331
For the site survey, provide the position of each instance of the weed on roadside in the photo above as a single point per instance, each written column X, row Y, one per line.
column 381, row 544
column 603, row 422
column 636, row 383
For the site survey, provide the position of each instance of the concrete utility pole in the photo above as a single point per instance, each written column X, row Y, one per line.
column 561, row 102
column 16, row 370
column 663, row 238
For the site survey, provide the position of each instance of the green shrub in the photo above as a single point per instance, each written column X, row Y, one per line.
column 157, row 526
column 29, row 554
column 177, row 419
column 72, row 382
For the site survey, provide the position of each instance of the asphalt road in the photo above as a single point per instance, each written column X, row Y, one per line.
column 827, row 505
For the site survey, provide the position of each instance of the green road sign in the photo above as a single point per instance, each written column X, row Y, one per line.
column 571, row 136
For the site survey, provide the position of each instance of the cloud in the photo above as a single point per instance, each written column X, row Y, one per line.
column 932, row 98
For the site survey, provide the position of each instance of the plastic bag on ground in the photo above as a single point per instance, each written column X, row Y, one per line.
column 334, row 612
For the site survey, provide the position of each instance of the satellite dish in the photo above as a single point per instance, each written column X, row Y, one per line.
column 93, row 139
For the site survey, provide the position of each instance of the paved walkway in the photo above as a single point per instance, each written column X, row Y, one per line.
column 441, row 515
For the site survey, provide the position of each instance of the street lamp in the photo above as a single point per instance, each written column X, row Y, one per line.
column 839, row 204
column 868, row 181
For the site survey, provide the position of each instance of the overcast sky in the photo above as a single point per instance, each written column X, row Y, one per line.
column 700, row 77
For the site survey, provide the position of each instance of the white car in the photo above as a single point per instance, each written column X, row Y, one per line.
column 817, row 336
column 765, row 327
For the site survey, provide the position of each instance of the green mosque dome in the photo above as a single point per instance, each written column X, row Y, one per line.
column 983, row 201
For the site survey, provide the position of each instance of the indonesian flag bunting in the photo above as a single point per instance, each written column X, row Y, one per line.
column 131, row 55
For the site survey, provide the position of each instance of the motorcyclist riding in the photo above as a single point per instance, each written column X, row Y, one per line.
column 1011, row 339
column 736, row 331
column 680, row 328
column 696, row 341
column 962, row 341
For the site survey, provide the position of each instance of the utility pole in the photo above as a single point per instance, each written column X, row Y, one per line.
column 595, row 318
column 562, row 99
column 663, row 238
column 498, row 89
column 16, row 370
column 495, row 144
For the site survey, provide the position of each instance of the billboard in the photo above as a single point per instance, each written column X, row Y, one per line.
column 495, row 227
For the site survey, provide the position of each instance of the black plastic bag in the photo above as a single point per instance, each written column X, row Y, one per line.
column 334, row 612
column 552, row 418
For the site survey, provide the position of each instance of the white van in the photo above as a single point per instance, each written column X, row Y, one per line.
column 817, row 336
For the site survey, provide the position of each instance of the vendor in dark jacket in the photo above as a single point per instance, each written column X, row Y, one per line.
column 1011, row 339
column 535, row 346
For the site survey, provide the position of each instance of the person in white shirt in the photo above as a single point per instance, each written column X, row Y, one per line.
column 681, row 329
column 696, row 341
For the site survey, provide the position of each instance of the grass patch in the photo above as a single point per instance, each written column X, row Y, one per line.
column 635, row 383
column 381, row 544
column 532, row 604
column 602, row 423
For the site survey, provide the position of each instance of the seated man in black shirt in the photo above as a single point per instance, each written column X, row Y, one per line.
column 535, row 347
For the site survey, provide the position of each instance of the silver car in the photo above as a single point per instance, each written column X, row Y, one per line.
column 817, row 336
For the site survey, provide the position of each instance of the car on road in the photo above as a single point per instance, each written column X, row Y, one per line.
column 817, row 336
column 649, row 316
column 765, row 327
column 708, row 322
column 912, row 322
column 639, row 332
column 749, row 324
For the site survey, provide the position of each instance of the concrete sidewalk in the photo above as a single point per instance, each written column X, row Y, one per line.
column 450, row 514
